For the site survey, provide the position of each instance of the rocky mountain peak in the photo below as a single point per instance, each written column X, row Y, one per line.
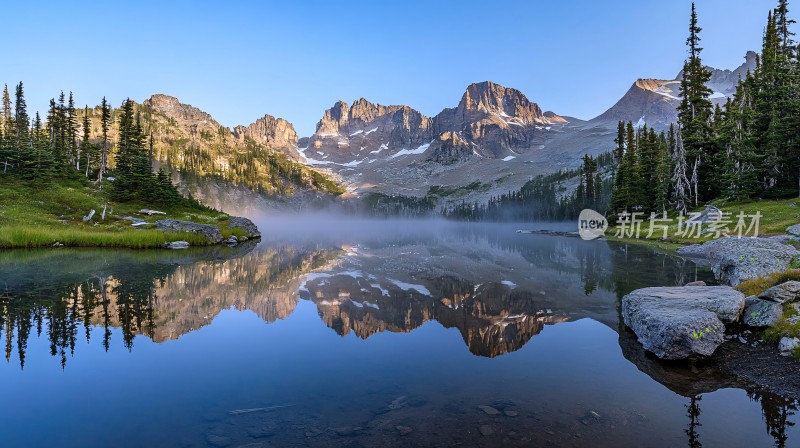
column 333, row 118
column 493, row 99
column 272, row 132
column 180, row 112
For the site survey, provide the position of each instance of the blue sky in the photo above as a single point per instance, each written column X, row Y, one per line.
column 240, row 60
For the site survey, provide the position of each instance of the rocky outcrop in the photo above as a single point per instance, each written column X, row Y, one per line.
column 734, row 260
column 682, row 322
column 452, row 149
column 244, row 225
column 211, row 233
column 274, row 133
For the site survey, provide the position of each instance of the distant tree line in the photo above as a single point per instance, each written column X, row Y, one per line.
column 546, row 197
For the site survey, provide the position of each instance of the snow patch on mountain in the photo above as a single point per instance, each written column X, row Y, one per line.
column 405, row 152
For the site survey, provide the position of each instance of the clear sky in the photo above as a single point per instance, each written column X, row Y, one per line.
column 294, row 59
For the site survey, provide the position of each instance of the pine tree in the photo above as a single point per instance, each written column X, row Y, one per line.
column 87, row 148
column 662, row 178
column 619, row 151
column 105, row 122
column 7, row 132
column 21, row 127
column 71, row 129
column 695, row 114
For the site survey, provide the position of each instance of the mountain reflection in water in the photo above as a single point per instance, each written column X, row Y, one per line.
column 499, row 290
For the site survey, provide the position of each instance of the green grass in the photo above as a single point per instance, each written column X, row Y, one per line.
column 35, row 215
column 757, row 286
column 776, row 216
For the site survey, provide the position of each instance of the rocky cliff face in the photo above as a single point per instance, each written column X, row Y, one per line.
column 491, row 120
column 275, row 133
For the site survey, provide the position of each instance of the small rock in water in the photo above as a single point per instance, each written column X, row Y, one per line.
column 590, row 417
column 397, row 403
column 217, row 440
column 787, row 345
column 489, row 410
column 511, row 413
column 231, row 241
column 313, row 432
column 404, row 430
column 486, row 430
column 347, row 431
column 177, row 245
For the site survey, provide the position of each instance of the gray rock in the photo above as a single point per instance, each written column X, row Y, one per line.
column 697, row 283
column 763, row 313
column 787, row 292
column 177, row 245
column 489, row 410
column 486, row 430
column 134, row 220
column 794, row 320
column 148, row 212
column 232, row 240
column 787, row 345
column 217, row 440
column 404, row 430
column 211, row 233
column 793, row 230
column 734, row 260
column 680, row 322
column 244, row 225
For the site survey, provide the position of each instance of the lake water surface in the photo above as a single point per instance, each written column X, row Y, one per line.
column 357, row 334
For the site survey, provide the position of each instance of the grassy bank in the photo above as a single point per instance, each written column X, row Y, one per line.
column 36, row 215
column 776, row 216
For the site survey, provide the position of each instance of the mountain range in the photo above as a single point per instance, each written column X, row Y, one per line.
column 494, row 140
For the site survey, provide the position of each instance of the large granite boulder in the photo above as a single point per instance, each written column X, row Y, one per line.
column 735, row 260
column 681, row 322
column 211, row 233
column 787, row 292
column 245, row 225
column 762, row 313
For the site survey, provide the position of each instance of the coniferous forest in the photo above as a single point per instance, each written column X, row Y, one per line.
column 747, row 149
column 60, row 148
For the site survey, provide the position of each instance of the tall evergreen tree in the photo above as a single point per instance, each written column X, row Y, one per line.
column 7, row 133
column 695, row 114
column 105, row 122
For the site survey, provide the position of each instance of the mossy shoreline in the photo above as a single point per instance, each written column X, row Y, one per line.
column 35, row 215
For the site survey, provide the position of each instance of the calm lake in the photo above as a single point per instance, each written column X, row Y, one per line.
column 357, row 334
